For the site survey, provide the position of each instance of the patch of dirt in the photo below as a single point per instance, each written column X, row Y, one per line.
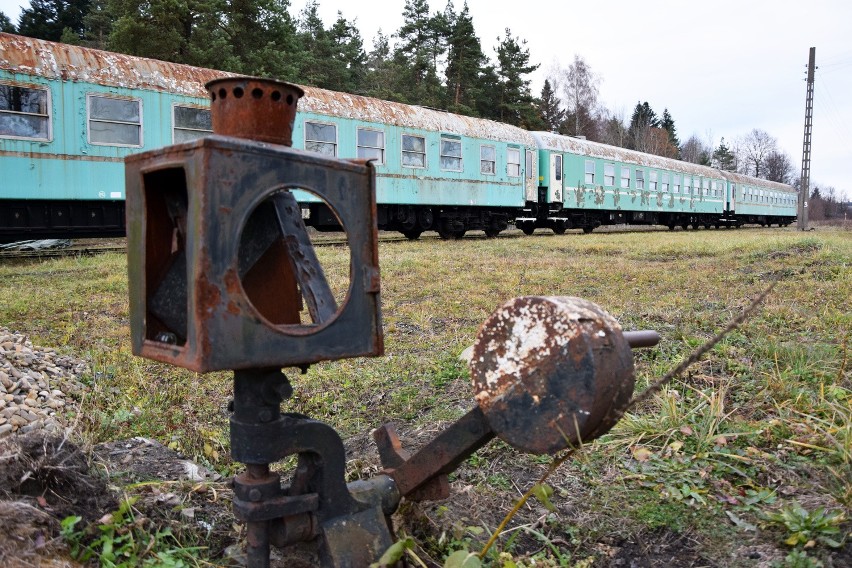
column 659, row 548
column 142, row 459
column 42, row 481
column 173, row 491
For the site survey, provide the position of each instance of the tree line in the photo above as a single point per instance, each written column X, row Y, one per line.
column 434, row 59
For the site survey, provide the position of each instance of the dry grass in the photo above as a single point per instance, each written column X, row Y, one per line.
column 763, row 421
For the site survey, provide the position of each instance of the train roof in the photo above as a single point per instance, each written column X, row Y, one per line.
column 548, row 140
column 30, row 56
column 764, row 183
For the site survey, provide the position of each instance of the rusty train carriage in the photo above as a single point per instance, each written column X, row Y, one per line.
column 70, row 115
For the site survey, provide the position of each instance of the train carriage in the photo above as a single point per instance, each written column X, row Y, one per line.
column 587, row 184
column 434, row 170
column 758, row 201
column 70, row 115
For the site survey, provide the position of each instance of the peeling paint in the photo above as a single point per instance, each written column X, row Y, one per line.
column 73, row 63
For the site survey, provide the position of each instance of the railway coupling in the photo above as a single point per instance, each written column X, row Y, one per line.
column 223, row 276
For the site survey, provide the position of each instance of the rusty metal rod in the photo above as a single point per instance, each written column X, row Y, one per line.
column 642, row 338
column 257, row 533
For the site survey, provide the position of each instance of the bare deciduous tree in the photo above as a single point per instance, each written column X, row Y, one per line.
column 653, row 140
column 695, row 151
column 778, row 167
column 580, row 91
column 754, row 148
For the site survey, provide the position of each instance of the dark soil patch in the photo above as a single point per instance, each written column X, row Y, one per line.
column 42, row 481
column 659, row 548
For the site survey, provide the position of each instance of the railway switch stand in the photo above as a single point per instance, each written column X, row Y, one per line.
column 223, row 276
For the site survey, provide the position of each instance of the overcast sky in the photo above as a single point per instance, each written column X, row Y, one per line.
column 721, row 67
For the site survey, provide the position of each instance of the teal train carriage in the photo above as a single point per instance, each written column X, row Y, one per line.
column 69, row 116
column 434, row 170
column 758, row 201
column 587, row 184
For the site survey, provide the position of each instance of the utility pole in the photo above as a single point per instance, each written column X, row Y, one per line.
column 805, row 189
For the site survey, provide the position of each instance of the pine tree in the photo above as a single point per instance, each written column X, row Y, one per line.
column 515, row 103
column 668, row 125
column 160, row 29
column 415, row 55
column 548, row 106
column 6, row 24
column 382, row 74
column 47, row 19
column 723, row 158
column 350, row 59
column 98, row 25
column 641, row 122
column 643, row 115
column 464, row 63
column 318, row 66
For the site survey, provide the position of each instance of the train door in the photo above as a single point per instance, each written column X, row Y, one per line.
column 556, row 175
column 731, row 206
column 530, row 177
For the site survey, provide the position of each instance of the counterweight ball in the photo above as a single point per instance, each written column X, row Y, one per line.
column 550, row 372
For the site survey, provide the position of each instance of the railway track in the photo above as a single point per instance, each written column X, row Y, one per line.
column 92, row 247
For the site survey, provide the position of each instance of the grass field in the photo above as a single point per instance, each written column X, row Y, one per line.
column 746, row 461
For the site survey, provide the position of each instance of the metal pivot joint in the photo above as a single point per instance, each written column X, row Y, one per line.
column 547, row 373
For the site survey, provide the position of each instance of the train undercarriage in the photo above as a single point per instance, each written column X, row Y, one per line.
column 24, row 219
column 41, row 219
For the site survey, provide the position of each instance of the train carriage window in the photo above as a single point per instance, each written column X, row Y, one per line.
column 371, row 145
column 189, row 123
column 557, row 168
column 590, row 171
column 640, row 179
column 665, row 183
column 413, row 151
column 609, row 175
column 676, row 184
column 529, row 164
column 513, row 162
column 451, row 155
column 321, row 138
column 687, row 185
column 652, row 180
column 488, row 160
column 114, row 121
column 733, row 191
column 706, row 187
column 625, row 177
column 24, row 112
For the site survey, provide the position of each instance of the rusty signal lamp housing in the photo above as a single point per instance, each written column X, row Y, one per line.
column 218, row 252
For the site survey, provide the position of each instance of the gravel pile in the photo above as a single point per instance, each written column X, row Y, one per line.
column 34, row 385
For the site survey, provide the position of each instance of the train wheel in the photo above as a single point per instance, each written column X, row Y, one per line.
column 671, row 226
column 684, row 226
column 491, row 233
column 528, row 228
column 412, row 234
column 559, row 230
column 588, row 229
